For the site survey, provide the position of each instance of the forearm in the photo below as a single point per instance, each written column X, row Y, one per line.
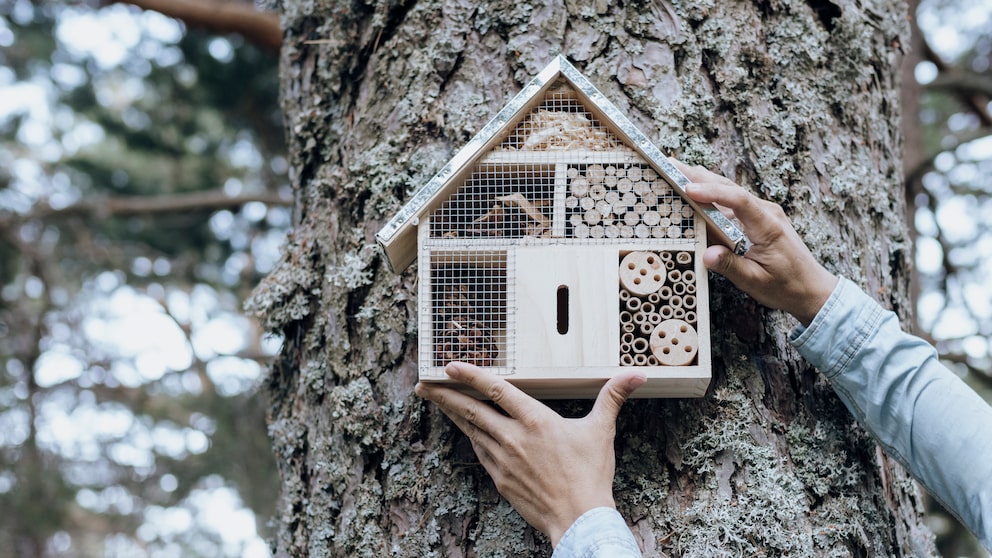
column 923, row 414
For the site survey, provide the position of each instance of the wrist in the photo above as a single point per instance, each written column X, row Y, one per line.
column 821, row 286
column 557, row 531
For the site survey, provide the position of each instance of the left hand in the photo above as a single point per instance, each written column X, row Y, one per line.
column 551, row 469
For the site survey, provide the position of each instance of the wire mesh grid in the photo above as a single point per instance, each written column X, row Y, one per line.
column 627, row 201
column 502, row 201
column 468, row 309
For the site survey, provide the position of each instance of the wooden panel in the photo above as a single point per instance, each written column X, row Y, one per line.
column 593, row 336
column 585, row 383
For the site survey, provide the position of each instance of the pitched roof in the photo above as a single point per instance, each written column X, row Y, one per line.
column 398, row 238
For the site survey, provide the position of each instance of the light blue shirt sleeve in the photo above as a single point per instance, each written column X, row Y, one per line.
column 924, row 416
column 598, row 533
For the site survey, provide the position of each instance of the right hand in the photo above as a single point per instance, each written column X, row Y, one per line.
column 778, row 271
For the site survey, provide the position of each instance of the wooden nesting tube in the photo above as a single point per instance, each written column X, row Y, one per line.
column 633, row 304
column 647, row 307
column 654, row 319
column 665, row 292
column 640, row 345
column 640, row 317
column 678, row 313
column 653, row 360
column 654, row 299
column 674, row 276
column 689, row 301
column 678, row 288
column 689, row 277
column 627, row 339
column 626, row 360
column 684, row 258
column 580, row 187
column 675, row 301
column 624, row 295
column 647, row 327
column 628, row 327
column 640, row 359
column 690, row 316
column 666, row 312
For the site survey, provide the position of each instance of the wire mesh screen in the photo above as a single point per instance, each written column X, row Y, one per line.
column 468, row 308
column 628, row 201
column 499, row 202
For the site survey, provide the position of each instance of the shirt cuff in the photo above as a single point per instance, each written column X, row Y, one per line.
column 850, row 316
column 598, row 533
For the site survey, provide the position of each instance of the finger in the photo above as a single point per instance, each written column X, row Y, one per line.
column 515, row 402
column 746, row 207
column 613, row 395
column 699, row 174
column 467, row 412
column 743, row 272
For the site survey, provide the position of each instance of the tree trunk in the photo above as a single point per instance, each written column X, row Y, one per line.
column 797, row 101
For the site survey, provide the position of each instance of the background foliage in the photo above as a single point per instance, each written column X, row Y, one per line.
column 143, row 193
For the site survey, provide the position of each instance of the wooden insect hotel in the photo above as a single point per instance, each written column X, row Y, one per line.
column 557, row 249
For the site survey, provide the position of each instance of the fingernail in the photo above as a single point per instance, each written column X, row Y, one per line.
column 636, row 382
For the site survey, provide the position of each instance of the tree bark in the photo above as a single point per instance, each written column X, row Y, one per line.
column 798, row 101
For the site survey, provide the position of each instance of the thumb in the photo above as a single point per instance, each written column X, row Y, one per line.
column 614, row 394
column 739, row 270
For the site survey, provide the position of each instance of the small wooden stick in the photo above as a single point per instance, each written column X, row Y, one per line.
column 527, row 207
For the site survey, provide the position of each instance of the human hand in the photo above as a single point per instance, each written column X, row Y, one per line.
column 778, row 271
column 551, row 469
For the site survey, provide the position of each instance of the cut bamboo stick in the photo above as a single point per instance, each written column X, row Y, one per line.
column 684, row 258
column 640, row 359
column 580, row 187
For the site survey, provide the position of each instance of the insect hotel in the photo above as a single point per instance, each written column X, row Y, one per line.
column 557, row 249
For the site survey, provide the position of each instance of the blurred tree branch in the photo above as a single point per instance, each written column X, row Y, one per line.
column 221, row 16
column 965, row 86
column 103, row 208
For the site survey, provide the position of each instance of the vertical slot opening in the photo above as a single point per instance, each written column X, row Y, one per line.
column 562, row 309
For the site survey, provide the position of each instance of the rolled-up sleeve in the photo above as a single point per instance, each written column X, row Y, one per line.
column 919, row 411
column 598, row 533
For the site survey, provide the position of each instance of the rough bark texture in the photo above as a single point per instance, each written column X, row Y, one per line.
column 796, row 100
